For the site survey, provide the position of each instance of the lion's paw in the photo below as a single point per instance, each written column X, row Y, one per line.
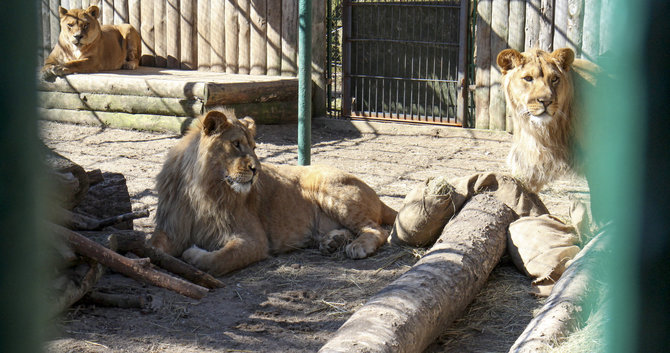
column 334, row 240
column 194, row 255
column 359, row 249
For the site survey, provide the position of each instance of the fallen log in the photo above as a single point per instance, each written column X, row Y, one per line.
column 568, row 304
column 136, row 269
column 136, row 243
column 411, row 312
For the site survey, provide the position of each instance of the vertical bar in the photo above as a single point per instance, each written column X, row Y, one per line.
column 346, row 58
column 204, row 39
column 304, row 81
column 187, row 31
column 160, row 40
column 217, row 30
column 462, row 98
column 289, row 37
column 147, row 32
column 274, row 28
column 329, row 59
column 231, row 36
column 244, row 36
column 172, row 33
column 120, row 12
column 319, row 80
column 482, row 75
column 499, row 34
column 107, row 12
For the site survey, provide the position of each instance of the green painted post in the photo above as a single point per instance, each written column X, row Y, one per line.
column 615, row 153
column 304, row 82
column 23, row 267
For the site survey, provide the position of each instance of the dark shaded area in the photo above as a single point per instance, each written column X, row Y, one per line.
column 654, row 256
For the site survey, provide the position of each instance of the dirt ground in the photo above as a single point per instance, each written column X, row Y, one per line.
column 294, row 302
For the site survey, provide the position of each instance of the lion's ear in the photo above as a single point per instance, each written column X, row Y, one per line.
column 564, row 58
column 250, row 124
column 509, row 59
column 215, row 121
column 94, row 11
column 62, row 11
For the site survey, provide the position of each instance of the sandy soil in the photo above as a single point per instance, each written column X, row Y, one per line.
column 294, row 302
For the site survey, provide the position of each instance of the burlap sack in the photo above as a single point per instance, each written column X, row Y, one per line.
column 428, row 208
column 505, row 188
column 542, row 247
column 425, row 211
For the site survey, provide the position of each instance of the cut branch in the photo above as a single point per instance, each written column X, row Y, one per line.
column 139, row 270
column 411, row 312
column 79, row 221
column 136, row 243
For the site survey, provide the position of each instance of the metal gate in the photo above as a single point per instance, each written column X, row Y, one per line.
column 402, row 61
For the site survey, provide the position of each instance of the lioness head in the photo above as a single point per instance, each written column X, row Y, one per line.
column 79, row 27
column 228, row 146
column 537, row 84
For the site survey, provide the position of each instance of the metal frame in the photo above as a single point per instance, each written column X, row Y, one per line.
column 422, row 107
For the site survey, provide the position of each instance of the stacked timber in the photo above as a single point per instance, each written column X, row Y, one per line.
column 157, row 99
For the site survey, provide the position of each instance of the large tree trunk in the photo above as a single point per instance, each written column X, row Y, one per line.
column 568, row 305
column 412, row 311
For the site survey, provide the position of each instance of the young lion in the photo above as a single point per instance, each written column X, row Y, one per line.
column 85, row 46
column 540, row 90
column 221, row 209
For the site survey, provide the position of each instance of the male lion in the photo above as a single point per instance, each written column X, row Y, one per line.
column 221, row 209
column 85, row 46
column 539, row 87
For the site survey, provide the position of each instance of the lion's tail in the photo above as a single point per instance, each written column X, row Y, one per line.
column 388, row 214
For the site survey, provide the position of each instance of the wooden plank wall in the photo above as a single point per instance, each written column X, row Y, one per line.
column 582, row 25
column 257, row 37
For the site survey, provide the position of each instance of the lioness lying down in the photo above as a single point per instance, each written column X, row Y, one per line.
column 221, row 209
column 84, row 46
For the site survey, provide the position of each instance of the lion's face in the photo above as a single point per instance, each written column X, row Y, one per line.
column 229, row 145
column 537, row 83
column 79, row 27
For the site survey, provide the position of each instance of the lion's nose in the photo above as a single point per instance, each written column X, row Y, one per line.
column 545, row 101
column 78, row 37
column 252, row 168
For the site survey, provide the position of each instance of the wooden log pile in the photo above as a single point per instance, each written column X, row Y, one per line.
column 165, row 100
column 86, row 203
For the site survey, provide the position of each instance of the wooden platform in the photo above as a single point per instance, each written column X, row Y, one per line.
column 159, row 99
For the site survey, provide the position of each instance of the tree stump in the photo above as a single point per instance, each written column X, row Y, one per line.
column 106, row 199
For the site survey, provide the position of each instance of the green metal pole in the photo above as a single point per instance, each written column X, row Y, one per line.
column 304, row 82
column 615, row 127
column 23, row 269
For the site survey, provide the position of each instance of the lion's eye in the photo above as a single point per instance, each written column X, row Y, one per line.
column 236, row 144
column 86, row 26
column 528, row 78
column 555, row 80
column 70, row 25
